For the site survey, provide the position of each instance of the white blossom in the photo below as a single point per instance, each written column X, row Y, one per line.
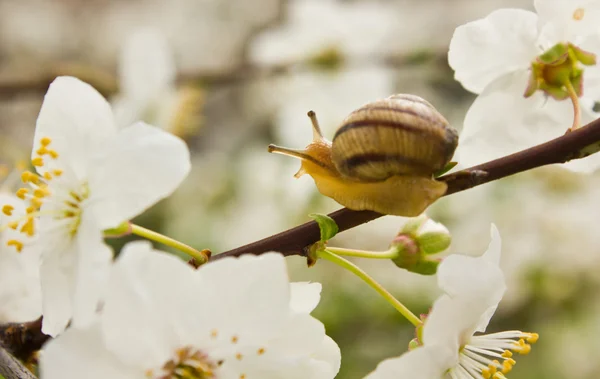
column 472, row 287
column 492, row 57
column 20, row 294
column 91, row 176
column 146, row 79
column 237, row 318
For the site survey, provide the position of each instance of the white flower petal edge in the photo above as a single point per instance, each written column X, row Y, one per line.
column 304, row 296
column 77, row 118
column 457, row 273
column 133, row 170
column 427, row 362
column 481, row 51
column 148, row 325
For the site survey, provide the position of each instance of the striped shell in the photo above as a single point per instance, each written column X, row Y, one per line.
column 400, row 135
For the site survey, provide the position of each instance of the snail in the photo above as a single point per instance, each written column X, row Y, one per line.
column 382, row 158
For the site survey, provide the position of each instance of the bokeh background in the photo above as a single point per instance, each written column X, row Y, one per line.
column 232, row 76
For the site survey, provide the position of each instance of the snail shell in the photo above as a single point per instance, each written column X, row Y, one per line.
column 400, row 135
column 382, row 157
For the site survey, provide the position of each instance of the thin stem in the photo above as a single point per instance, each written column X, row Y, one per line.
column 325, row 254
column 389, row 254
column 576, row 109
column 201, row 257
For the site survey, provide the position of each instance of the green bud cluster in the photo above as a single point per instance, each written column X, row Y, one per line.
column 419, row 239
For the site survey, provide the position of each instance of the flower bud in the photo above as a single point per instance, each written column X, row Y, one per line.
column 419, row 238
column 433, row 237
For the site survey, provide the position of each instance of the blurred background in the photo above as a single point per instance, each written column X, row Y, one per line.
column 232, row 76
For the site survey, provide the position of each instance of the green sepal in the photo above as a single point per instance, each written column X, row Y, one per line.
column 586, row 58
column 556, row 55
column 449, row 166
column 426, row 267
column 433, row 242
column 413, row 344
column 327, row 226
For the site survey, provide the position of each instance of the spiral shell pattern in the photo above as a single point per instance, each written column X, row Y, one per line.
column 399, row 135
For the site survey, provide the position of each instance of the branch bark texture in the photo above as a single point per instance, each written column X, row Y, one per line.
column 573, row 145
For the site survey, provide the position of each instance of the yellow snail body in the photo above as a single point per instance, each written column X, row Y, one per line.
column 383, row 156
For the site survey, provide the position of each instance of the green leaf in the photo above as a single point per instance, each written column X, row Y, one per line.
column 327, row 226
column 446, row 168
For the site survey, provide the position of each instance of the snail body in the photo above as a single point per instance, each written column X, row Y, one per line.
column 382, row 157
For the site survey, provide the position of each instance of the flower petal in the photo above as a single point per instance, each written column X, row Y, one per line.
column 146, row 67
column 329, row 353
column 20, row 292
column 501, row 121
column 81, row 354
column 304, row 296
column 244, row 288
column 141, row 314
column 481, row 51
column 474, row 277
column 591, row 74
column 77, row 118
column 452, row 321
column 569, row 19
column 138, row 167
column 57, row 274
column 94, row 259
column 426, row 362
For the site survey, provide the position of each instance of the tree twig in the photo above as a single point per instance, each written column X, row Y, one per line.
column 11, row 368
column 573, row 145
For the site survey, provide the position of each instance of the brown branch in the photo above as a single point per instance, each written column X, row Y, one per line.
column 23, row 340
column 573, row 145
column 11, row 368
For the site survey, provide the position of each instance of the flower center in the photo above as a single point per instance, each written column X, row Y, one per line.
column 559, row 71
column 41, row 189
column 188, row 363
column 491, row 355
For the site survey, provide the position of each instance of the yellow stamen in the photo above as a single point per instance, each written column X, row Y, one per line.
column 17, row 244
column 507, row 365
column 36, row 202
column 41, row 192
column 28, row 227
column 53, row 154
column 41, row 151
column 47, row 175
column 45, row 141
column 533, row 337
column 37, row 161
column 507, row 354
column 30, row 210
column 21, row 192
column 522, row 347
column 7, row 209
column 13, row 225
column 57, row 172
column 578, row 14
column 486, row 373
